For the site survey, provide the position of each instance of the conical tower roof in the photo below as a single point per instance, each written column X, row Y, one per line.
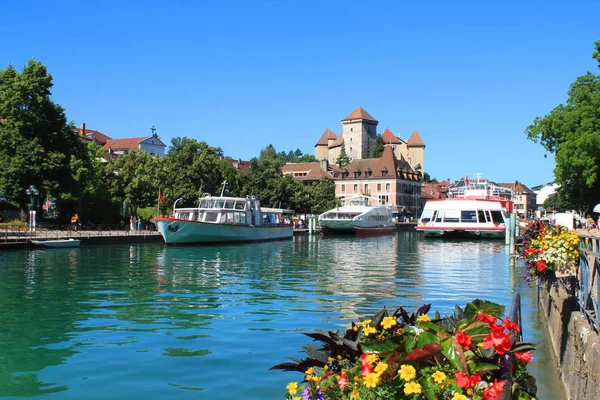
column 389, row 138
column 325, row 137
column 359, row 113
column 415, row 139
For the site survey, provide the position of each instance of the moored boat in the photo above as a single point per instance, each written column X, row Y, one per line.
column 476, row 210
column 357, row 217
column 219, row 219
column 58, row 243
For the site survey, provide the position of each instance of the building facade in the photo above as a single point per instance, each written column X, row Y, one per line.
column 358, row 136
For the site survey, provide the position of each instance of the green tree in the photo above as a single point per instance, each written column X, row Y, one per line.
column 343, row 158
column 192, row 168
column 571, row 131
column 378, row 147
column 428, row 179
column 38, row 146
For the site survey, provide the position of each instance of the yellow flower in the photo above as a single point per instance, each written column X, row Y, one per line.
column 458, row 396
column 369, row 330
column 310, row 371
column 371, row 380
column 372, row 358
column 292, row 387
column 438, row 377
column 365, row 323
column 412, row 388
column 423, row 318
column 297, row 398
column 380, row 368
column 388, row 322
column 407, row 372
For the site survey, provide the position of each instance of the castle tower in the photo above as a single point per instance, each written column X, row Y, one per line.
column 322, row 146
column 416, row 151
column 359, row 130
column 397, row 144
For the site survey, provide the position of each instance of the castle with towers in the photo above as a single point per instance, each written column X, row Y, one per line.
column 358, row 136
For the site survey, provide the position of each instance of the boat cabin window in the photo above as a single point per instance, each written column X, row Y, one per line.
column 497, row 216
column 451, row 215
column 211, row 216
column 219, row 203
column 240, row 205
column 481, row 216
column 426, row 216
column 229, row 204
column 468, row 216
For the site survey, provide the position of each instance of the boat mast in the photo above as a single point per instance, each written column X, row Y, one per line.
column 223, row 188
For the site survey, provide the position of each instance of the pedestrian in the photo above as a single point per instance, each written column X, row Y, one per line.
column 131, row 224
column 139, row 224
column 74, row 221
column 589, row 223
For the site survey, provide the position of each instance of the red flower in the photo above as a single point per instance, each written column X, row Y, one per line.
column 525, row 356
column 343, row 381
column 540, row 266
column 493, row 392
column 510, row 325
column 488, row 319
column 498, row 339
column 529, row 251
column 474, row 380
column 463, row 340
column 366, row 366
column 462, row 380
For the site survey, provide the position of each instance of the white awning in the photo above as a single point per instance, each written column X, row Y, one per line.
column 597, row 208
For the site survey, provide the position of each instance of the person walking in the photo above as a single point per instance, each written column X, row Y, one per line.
column 75, row 221
column 131, row 224
column 139, row 224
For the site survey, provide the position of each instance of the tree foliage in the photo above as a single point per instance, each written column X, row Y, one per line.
column 38, row 146
column 571, row 131
column 343, row 158
column 378, row 147
column 428, row 179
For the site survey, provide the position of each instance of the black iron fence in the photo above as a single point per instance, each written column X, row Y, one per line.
column 587, row 289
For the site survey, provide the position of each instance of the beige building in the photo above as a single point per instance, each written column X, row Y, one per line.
column 524, row 199
column 386, row 180
column 358, row 136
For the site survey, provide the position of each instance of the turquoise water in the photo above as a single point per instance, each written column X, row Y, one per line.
column 145, row 321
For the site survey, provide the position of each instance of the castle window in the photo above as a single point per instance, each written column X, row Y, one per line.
column 388, row 187
column 351, row 129
column 356, row 174
column 355, row 188
column 343, row 188
column 379, row 187
column 366, row 188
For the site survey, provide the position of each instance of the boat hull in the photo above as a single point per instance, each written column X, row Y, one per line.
column 56, row 244
column 177, row 231
column 482, row 233
column 374, row 230
column 337, row 226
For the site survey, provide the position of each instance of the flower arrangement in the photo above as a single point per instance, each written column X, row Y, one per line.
column 549, row 252
column 400, row 356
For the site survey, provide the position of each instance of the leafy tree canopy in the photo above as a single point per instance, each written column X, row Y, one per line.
column 343, row 158
column 428, row 179
column 38, row 146
column 571, row 131
column 378, row 148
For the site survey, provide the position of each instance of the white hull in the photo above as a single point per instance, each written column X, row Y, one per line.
column 176, row 231
column 56, row 243
column 347, row 219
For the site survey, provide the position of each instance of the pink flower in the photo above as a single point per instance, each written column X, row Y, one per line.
column 463, row 340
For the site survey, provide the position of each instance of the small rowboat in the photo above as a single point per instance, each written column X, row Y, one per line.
column 59, row 243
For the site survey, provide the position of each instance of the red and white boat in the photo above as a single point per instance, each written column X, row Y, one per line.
column 358, row 217
column 224, row 220
column 477, row 209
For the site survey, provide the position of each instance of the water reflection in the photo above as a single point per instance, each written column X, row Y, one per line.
column 165, row 322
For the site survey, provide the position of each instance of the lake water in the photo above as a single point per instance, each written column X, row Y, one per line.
column 145, row 321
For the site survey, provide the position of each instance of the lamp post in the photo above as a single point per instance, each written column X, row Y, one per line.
column 33, row 193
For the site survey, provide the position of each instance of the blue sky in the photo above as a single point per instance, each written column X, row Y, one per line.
column 240, row 75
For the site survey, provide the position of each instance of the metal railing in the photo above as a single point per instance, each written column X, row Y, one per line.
column 588, row 275
column 507, row 376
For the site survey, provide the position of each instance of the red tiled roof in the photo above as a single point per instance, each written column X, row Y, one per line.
column 241, row 167
column 387, row 166
column 313, row 171
column 123, row 144
column 389, row 138
column 327, row 135
column 337, row 142
column 415, row 139
column 100, row 137
column 359, row 113
column 517, row 187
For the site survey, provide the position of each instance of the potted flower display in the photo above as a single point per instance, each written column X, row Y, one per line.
column 469, row 355
column 549, row 252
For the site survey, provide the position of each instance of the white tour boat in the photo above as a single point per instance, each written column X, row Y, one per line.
column 476, row 209
column 358, row 217
column 224, row 220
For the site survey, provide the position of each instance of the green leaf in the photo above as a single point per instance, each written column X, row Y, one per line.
column 452, row 354
column 482, row 367
column 484, row 306
column 429, row 388
column 380, row 346
column 427, row 338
